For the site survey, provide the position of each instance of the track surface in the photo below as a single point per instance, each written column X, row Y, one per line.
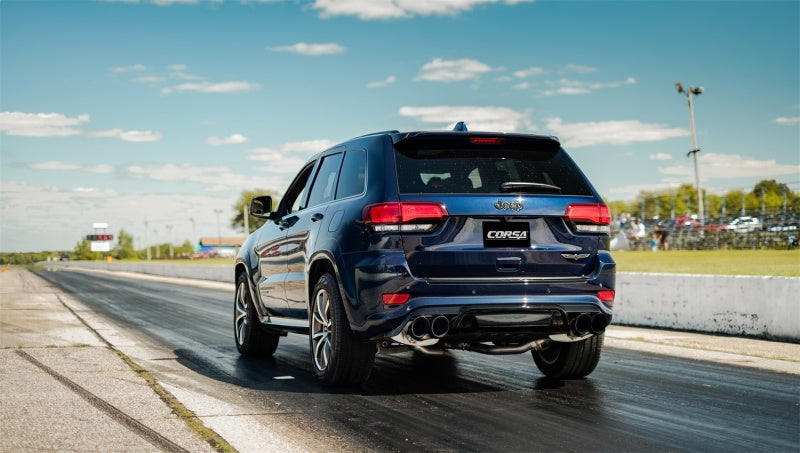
column 463, row 402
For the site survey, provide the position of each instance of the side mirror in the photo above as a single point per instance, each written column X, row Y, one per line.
column 261, row 206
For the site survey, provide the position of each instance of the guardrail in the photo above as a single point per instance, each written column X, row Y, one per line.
column 764, row 307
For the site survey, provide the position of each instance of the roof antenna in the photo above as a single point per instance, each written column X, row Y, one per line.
column 460, row 127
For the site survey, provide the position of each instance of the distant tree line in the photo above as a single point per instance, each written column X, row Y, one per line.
column 768, row 197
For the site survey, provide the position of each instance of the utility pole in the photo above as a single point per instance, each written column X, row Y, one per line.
column 219, row 230
column 169, row 238
column 146, row 240
column 194, row 233
column 694, row 91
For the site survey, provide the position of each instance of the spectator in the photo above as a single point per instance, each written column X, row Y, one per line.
column 661, row 237
column 637, row 231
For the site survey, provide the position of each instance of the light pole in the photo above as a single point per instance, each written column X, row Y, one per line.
column 169, row 237
column 694, row 91
column 219, row 231
column 146, row 240
column 194, row 234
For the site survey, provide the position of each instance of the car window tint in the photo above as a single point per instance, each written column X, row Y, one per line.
column 324, row 187
column 294, row 196
column 353, row 174
column 471, row 170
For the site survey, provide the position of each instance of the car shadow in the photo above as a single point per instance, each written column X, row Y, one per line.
column 393, row 374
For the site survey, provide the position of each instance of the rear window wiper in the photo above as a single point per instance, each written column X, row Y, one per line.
column 519, row 186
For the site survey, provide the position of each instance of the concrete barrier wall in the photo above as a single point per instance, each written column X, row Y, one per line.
column 767, row 307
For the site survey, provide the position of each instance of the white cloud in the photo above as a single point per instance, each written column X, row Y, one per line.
column 521, row 86
column 383, row 83
column 289, row 157
column 151, row 79
column 572, row 87
column 575, row 135
column 310, row 49
column 28, row 210
column 399, row 9
column 131, row 68
column 530, row 72
column 129, row 136
column 234, row 139
column 501, row 119
column 439, row 70
column 723, row 166
column 580, row 69
column 41, row 124
column 53, row 165
column 100, row 168
column 213, row 177
column 785, row 121
column 208, row 87
column 629, row 192
column 660, row 156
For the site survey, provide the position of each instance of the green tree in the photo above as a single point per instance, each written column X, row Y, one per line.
column 124, row 249
column 83, row 251
column 243, row 203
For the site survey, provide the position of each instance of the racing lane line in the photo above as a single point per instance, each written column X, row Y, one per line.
column 119, row 416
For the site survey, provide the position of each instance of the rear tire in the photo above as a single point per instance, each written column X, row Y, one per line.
column 251, row 339
column 570, row 360
column 337, row 356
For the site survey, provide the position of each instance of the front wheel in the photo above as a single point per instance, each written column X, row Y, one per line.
column 569, row 360
column 251, row 338
column 337, row 356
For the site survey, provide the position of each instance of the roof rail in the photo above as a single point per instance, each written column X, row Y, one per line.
column 460, row 127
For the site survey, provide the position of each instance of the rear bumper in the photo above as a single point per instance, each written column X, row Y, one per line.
column 476, row 309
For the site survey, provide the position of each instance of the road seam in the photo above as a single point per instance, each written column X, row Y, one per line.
column 179, row 409
column 135, row 426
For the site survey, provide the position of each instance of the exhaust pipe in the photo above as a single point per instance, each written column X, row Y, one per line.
column 419, row 328
column 440, row 326
column 599, row 323
column 581, row 325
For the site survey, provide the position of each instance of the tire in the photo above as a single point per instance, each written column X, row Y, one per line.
column 251, row 339
column 337, row 356
column 569, row 360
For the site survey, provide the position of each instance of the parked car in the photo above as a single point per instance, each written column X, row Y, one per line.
column 428, row 241
column 744, row 224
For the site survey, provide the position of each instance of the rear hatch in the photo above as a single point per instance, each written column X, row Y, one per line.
column 511, row 207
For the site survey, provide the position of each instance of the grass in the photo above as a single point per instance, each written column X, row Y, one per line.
column 783, row 263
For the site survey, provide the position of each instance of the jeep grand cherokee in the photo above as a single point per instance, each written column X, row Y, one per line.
column 487, row 242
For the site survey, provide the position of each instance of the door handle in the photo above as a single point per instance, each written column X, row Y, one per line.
column 317, row 217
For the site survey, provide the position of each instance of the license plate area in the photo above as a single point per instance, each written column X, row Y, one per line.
column 506, row 234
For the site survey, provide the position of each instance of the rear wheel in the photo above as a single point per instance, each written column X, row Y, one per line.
column 569, row 360
column 251, row 338
column 337, row 356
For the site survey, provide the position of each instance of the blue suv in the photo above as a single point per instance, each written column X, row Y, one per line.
column 487, row 242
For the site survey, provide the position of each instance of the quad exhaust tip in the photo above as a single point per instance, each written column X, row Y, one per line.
column 586, row 323
column 423, row 327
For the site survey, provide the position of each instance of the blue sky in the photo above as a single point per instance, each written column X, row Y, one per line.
column 163, row 111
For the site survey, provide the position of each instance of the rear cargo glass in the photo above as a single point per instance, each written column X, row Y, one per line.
column 482, row 170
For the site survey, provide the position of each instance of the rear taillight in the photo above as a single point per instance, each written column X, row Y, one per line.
column 404, row 217
column 588, row 217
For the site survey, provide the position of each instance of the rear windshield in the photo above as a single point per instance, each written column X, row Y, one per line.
column 487, row 170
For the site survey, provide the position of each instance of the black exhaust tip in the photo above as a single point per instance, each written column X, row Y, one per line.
column 420, row 327
column 440, row 326
column 599, row 323
column 581, row 324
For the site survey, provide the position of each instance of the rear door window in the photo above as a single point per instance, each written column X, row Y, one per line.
column 353, row 174
column 324, row 187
